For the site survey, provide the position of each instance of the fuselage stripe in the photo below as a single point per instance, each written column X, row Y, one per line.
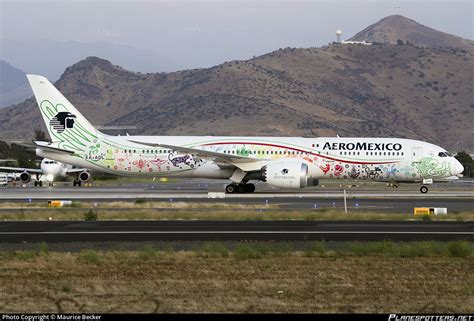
column 299, row 150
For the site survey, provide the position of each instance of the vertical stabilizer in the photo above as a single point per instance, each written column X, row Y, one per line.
column 66, row 126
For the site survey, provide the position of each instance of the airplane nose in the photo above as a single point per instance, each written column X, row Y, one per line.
column 458, row 168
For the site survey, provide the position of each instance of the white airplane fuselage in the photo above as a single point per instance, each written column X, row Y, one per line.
column 53, row 170
column 380, row 159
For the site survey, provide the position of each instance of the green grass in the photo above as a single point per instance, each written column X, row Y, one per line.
column 43, row 249
column 27, row 255
column 459, row 249
column 91, row 256
column 212, row 249
column 315, row 249
column 148, row 253
column 248, row 252
column 258, row 250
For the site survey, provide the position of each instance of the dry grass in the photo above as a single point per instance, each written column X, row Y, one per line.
column 213, row 280
column 183, row 211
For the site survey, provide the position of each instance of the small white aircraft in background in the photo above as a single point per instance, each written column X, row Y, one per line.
column 49, row 171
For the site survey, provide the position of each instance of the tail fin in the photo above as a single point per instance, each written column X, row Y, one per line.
column 66, row 125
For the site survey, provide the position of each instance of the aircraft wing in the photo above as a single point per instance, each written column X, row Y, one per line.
column 76, row 170
column 19, row 169
column 44, row 145
column 218, row 157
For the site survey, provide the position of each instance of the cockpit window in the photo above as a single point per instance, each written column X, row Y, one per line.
column 444, row 154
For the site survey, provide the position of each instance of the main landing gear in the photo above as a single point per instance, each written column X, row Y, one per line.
column 240, row 188
column 77, row 183
column 424, row 189
column 38, row 183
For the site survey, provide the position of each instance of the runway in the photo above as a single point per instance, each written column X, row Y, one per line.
column 387, row 200
column 103, row 231
column 111, row 193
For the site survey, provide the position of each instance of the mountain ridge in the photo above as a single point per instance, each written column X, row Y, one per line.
column 397, row 27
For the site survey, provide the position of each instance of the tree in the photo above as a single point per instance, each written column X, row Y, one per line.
column 466, row 160
column 19, row 153
column 400, row 42
column 40, row 135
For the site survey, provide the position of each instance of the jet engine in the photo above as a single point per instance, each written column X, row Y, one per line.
column 84, row 176
column 287, row 175
column 25, row 177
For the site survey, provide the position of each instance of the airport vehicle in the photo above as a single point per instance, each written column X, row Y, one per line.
column 289, row 162
column 50, row 171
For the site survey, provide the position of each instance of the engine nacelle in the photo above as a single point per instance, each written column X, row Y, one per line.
column 287, row 175
column 84, row 176
column 25, row 177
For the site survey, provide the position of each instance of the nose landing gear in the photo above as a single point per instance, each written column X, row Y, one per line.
column 424, row 189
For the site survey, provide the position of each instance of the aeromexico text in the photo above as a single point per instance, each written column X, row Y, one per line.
column 362, row 146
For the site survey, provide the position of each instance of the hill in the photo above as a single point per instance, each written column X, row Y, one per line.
column 349, row 90
column 396, row 27
column 51, row 63
column 13, row 85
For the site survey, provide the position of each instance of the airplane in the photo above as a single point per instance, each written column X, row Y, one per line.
column 50, row 171
column 287, row 162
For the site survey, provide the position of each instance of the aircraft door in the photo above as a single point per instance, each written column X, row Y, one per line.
column 417, row 153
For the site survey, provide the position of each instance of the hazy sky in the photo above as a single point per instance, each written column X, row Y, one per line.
column 205, row 33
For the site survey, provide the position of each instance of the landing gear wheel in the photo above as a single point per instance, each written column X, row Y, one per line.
column 50, row 184
column 40, row 183
column 230, row 188
column 79, row 183
column 424, row 189
column 36, row 183
column 249, row 188
column 74, row 183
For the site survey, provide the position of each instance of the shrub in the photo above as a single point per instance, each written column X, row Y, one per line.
column 316, row 248
column 459, row 249
column 213, row 250
column 91, row 256
column 43, row 249
column 28, row 255
column 247, row 252
column 148, row 253
column 66, row 287
column 91, row 215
